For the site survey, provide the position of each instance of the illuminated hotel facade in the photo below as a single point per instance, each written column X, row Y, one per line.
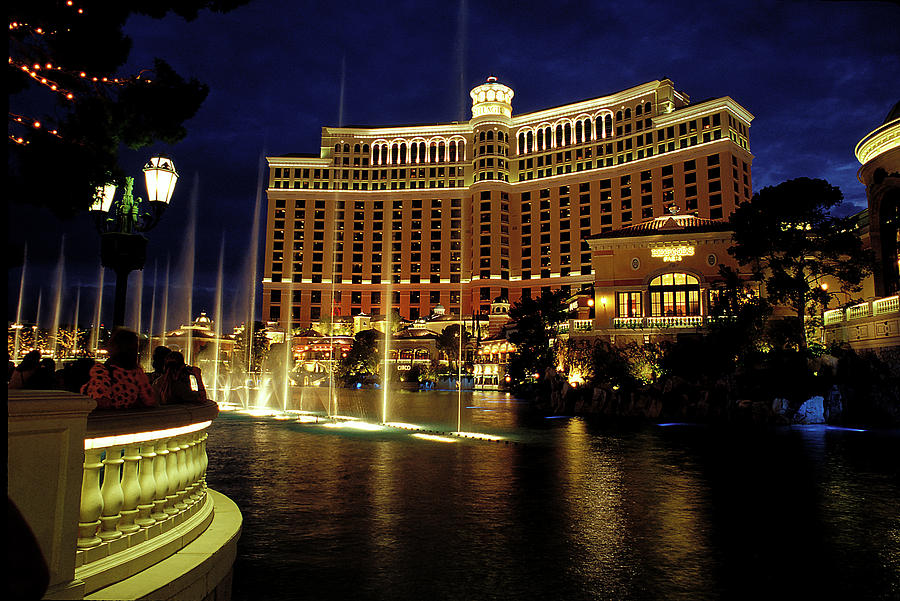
column 501, row 206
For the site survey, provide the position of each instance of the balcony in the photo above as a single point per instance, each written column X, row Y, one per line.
column 658, row 323
column 868, row 325
column 118, row 500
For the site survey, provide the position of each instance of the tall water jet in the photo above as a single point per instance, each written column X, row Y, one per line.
column 252, row 259
column 217, row 319
column 98, row 312
column 188, row 253
column 152, row 314
column 76, row 330
column 57, row 299
column 17, row 344
column 137, row 302
column 164, row 325
column 336, row 243
column 37, row 317
column 385, row 377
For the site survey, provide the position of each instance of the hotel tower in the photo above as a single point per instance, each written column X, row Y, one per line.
column 459, row 214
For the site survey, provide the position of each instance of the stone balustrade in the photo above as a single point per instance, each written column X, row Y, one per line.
column 639, row 323
column 871, row 324
column 123, row 490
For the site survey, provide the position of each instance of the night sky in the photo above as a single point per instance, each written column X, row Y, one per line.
column 817, row 76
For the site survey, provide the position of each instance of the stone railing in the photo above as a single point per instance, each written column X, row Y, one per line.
column 126, row 490
column 583, row 325
column 640, row 323
column 868, row 325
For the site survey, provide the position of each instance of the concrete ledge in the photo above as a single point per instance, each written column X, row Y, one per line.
column 200, row 570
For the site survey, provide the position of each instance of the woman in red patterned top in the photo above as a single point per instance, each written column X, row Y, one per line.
column 120, row 383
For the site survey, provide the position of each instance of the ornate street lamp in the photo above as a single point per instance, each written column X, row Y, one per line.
column 123, row 247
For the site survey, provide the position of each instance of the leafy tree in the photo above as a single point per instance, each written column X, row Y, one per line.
column 535, row 322
column 62, row 75
column 448, row 342
column 789, row 237
column 363, row 357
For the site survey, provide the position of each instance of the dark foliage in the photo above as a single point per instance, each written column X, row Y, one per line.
column 101, row 118
column 789, row 237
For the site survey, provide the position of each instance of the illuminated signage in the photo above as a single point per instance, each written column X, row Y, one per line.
column 672, row 253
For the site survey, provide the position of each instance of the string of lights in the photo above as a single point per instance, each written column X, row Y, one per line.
column 28, row 122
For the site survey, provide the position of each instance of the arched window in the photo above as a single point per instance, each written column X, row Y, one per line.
column 579, row 136
column 365, row 148
column 588, row 126
column 674, row 295
column 490, row 134
column 618, row 116
column 337, row 147
column 647, row 107
column 568, row 133
column 638, row 110
column 607, row 125
column 403, row 153
column 559, row 135
column 414, row 153
column 432, row 152
column 356, row 148
column 529, row 141
column 628, row 113
column 394, row 153
column 521, row 140
column 384, row 154
column 441, row 152
column 346, row 148
column 548, row 137
column 481, row 136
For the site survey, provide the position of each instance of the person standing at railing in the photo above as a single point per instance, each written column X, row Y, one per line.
column 120, row 383
column 179, row 383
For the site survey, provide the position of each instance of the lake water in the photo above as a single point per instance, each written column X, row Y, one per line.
column 561, row 509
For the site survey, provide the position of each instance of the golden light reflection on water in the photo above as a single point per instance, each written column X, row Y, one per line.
column 573, row 511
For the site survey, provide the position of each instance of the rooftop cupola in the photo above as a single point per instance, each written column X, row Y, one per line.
column 491, row 98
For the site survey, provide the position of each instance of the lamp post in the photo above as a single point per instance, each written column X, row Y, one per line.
column 123, row 247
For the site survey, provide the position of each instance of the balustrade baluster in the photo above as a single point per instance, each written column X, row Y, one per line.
column 194, row 467
column 160, row 463
column 111, row 491
column 183, row 474
column 204, row 460
column 148, row 486
column 91, row 500
column 131, row 489
column 173, row 473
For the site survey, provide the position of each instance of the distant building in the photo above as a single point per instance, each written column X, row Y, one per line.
column 873, row 322
column 501, row 206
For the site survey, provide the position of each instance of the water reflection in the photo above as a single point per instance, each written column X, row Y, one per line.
column 574, row 510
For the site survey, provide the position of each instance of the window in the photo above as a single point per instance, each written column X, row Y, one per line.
column 674, row 294
column 629, row 304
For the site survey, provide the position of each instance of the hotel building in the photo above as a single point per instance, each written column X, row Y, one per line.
column 503, row 205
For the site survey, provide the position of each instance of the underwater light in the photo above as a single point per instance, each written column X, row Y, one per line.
column 403, row 425
column 478, row 435
column 353, row 425
column 260, row 412
column 432, row 437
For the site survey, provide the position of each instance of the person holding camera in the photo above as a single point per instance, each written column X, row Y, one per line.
column 179, row 383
